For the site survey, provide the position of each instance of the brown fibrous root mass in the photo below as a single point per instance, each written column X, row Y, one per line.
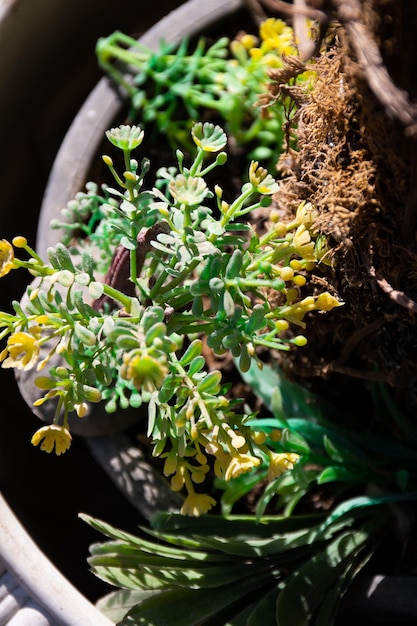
column 356, row 164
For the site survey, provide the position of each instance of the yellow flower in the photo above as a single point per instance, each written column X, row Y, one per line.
column 222, row 458
column 256, row 54
column 327, row 302
column 197, row 504
column 260, row 178
column 198, row 474
column 23, row 350
column 303, row 245
column 277, row 35
column 171, row 462
column 81, row 409
column 241, row 464
column 178, row 481
column 237, row 440
column 6, row 257
column 221, row 464
column 53, row 436
column 279, row 463
column 306, row 214
column 248, row 41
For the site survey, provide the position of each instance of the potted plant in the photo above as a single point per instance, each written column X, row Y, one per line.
column 194, row 269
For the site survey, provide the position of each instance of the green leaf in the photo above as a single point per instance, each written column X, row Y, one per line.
column 327, row 611
column 147, row 571
column 265, row 610
column 340, row 473
column 228, row 304
column 287, row 485
column 276, row 545
column 194, row 607
column 308, row 585
column 355, row 505
column 256, row 320
column 206, row 577
column 63, row 258
column 276, row 392
column 210, row 383
column 130, row 544
column 231, row 526
column 241, row 619
column 124, row 577
column 116, row 604
column 193, row 351
column 85, row 335
column 234, row 265
column 331, row 450
column 294, row 442
column 87, row 263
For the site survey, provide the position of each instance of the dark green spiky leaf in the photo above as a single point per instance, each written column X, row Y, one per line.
column 265, row 610
column 194, row 607
column 327, row 611
column 308, row 585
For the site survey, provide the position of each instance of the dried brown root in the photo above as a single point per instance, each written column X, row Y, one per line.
column 356, row 162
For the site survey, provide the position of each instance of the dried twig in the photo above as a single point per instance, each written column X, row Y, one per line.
column 395, row 100
column 397, row 296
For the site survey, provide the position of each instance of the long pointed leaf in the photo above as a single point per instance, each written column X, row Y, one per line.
column 308, row 585
column 193, row 607
column 233, row 526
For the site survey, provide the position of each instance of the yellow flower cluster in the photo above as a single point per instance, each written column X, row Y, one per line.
column 299, row 238
column 276, row 39
column 232, row 458
column 295, row 309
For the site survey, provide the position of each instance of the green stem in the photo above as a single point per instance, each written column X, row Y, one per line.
column 159, row 289
column 233, row 210
column 198, row 161
column 117, row 295
column 42, row 269
column 133, row 266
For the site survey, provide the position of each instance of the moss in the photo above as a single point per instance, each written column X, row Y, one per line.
column 354, row 163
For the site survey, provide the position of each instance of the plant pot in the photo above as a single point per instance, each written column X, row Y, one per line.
column 115, row 454
column 33, row 590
